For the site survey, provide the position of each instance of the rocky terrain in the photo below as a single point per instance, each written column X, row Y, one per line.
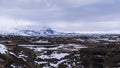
column 83, row 51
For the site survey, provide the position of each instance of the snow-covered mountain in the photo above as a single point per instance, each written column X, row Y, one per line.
column 35, row 31
column 42, row 32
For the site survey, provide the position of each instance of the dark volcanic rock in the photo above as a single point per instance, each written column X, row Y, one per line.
column 100, row 58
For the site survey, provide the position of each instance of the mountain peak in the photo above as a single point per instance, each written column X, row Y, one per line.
column 48, row 30
column 32, row 30
column 40, row 31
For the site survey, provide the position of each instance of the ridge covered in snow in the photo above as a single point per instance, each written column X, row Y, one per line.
column 34, row 31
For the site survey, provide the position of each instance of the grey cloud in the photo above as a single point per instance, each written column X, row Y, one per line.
column 53, row 10
column 67, row 13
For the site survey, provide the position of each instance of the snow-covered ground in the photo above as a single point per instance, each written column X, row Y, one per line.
column 56, row 56
column 39, row 48
column 3, row 49
column 109, row 40
column 41, row 41
column 56, row 65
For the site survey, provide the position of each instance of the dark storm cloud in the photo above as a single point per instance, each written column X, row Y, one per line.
column 96, row 15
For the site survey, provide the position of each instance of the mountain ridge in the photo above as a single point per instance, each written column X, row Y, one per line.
column 36, row 31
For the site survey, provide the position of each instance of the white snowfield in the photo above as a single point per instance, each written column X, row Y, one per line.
column 71, row 47
column 3, row 49
column 57, row 56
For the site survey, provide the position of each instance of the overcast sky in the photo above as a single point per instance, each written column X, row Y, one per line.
column 62, row 15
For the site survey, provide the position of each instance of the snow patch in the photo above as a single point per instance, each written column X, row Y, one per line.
column 59, row 56
column 56, row 65
column 3, row 49
column 41, row 41
column 56, row 56
column 39, row 49
column 42, row 62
